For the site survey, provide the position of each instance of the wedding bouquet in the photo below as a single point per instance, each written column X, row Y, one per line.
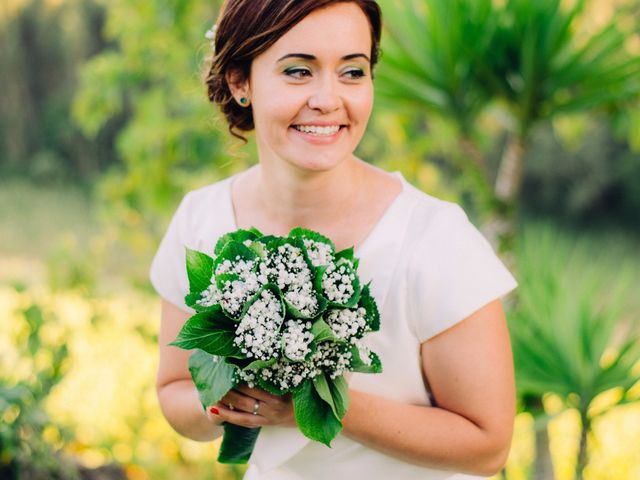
column 285, row 314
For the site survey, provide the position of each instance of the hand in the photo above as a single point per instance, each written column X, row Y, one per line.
column 273, row 409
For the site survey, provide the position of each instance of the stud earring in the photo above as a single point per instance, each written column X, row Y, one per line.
column 244, row 100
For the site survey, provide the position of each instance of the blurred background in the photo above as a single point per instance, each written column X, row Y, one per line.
column 525, row 112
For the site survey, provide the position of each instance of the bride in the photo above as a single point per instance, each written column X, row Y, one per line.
column 300, row 73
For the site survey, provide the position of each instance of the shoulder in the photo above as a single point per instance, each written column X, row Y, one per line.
column 434, row 216
column 203, row 200
column 203, row 213
column 443, row 237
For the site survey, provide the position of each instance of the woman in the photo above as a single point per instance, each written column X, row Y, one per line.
column 300, row 74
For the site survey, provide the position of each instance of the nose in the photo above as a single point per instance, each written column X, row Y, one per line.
column 326, row 97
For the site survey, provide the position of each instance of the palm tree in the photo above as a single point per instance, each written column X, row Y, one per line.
column 457, row 57
column 586, row 343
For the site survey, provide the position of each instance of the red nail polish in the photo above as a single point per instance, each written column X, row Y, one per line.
column 214, row 410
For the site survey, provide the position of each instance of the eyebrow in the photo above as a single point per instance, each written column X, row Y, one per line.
column 306, row 56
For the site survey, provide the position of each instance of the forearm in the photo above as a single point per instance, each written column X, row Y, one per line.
column 427, row 436
column 182, row 408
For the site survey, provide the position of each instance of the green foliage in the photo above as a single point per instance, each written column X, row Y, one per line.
column 455, row 57
column 541, row 66
column 573, row 330
column 595, row 182
column 43, row 44
column 429, row 56
column 171, row 141
column 24, row 450
column 517, row 62
column 212, row 376
column 314, row 415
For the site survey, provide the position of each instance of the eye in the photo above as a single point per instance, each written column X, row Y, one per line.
column 298, row 72
column 355, row 73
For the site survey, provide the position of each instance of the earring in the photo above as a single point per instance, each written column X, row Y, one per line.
column 244, row 101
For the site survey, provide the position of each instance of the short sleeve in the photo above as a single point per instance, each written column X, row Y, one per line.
column 453, row 273
column 168, row 272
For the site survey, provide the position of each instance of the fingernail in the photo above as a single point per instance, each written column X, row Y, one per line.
column 214, row 410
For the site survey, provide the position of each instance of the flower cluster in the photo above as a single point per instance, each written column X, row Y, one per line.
column 294, row 308
column 338, row 282
column 257, row 332
column 288, row 268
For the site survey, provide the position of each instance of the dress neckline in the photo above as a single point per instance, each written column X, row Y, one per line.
column 378, row 227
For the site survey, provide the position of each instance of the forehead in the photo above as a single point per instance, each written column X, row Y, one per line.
column 336, row 29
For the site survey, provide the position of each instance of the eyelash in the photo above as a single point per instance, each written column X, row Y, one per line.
column 292, row 72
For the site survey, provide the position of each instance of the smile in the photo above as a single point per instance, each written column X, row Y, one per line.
column 320, row 131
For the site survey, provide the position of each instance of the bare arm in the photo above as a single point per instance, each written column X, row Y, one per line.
column 176, row 392
column 470, row 372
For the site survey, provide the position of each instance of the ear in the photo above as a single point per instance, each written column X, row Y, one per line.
column 239, row 86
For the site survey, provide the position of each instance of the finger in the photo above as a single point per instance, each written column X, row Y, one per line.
column 239, row 401
column 244, row 419
column 257, row 393
column 213, row 415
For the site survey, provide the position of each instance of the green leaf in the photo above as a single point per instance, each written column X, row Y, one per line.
column 334, row 392
column 231, row 251
column 340, row 394
column 238, row 443
column 257, row 364
column 322, row 332
column 212, row 376
column 346, row 254
column 199, row 270
column 369, row 304
column 303, row 233
column 321, row 385
column 358, row 365
column 239, row 236
column 212, row 332
column 314, row 416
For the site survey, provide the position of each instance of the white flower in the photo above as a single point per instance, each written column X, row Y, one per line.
column 236, row 293
column 211, row 35
column 297, row 339
column 319, row 253
column 337, row 283
column 258, row 333
column 210, row 296
column 347, row 323
column 287, row 268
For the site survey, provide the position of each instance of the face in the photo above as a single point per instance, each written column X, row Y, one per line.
column 311, row 91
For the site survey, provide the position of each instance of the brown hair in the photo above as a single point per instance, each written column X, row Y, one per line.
column 246, row 28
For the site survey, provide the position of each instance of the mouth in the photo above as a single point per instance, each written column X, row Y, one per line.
column 319, row 130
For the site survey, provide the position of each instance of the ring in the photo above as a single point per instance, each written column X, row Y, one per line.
column 231, row 407
column 256, row 406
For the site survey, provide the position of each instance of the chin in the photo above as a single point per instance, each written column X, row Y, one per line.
column 317, row 163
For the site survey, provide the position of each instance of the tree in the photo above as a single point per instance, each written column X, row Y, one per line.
column 529, row 59
column 170, row 142
column 586, row 339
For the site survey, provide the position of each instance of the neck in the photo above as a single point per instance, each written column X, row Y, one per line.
column 309, row 199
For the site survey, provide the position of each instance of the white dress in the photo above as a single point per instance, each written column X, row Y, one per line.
column 430, row 268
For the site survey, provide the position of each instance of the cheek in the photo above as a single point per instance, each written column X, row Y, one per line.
column 275, row 109
column 360, row 105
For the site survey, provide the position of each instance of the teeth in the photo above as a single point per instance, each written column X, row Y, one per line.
column 314, row 130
